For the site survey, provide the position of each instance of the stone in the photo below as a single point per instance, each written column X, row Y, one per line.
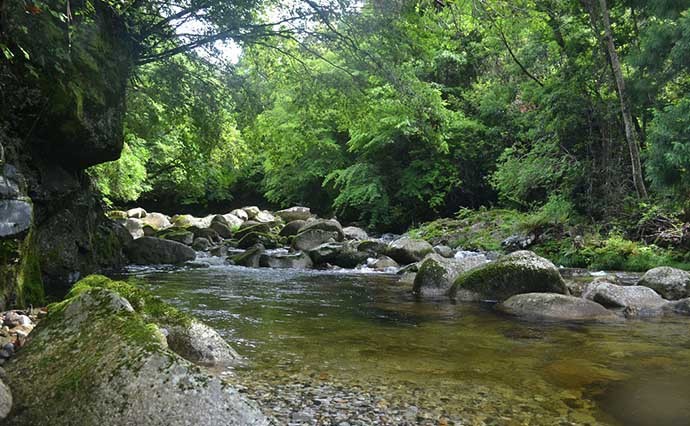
column 517, row 242
column 328, row 225
column 153, row 251
column 299, row 260
column 373, row 247
column 382, row 263
column 201, row 244
column 15, row 216
column 680, row 307
column 208, row 233
column 136, row 213
column 233, row 221
column 130, row 376
column 251, row 212
column 294, row 213
column 437, row 274
column 618, row 296
column 180, row 235
column 134, row 227
column 117, row 215
column 444, row 251
column 553, row 306
column 251, row 226
column 267, row 240
column 200, row 344
column 222, row 228
column 250, row 258
column 157, row 221
column 5, row 400
column 355, row 233
column 312, row 238
column 670, row 283
column 240, row 214
column 264, row 217
column 339, row 254
column 292, row 228
column 407, row 250
column 516, row 273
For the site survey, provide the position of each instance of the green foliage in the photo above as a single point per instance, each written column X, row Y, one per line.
column 125, row 179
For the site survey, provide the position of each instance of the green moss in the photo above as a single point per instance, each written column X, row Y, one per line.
column 253, row 238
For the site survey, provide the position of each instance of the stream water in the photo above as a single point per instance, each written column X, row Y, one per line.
column 357, row 349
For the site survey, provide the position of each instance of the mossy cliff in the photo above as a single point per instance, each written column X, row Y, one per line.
column 63, row 87
column 126, row 372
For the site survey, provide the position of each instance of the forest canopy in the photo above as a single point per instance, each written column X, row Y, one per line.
column 396, row 112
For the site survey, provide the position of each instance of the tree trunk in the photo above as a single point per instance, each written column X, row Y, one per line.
column 630, row 133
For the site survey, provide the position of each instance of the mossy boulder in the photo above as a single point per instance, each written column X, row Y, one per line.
column 125, row 372
column 250, row 258
column 249, row 227
column 292, row 228
column 516, row 273
column 294, row 213
column 156, row 251
column 407, row 250
column 340, row 254
column 253, row 238
column 180, row 235
column 553, row 306
column 157, row 221
column 437, row 274
column 328, row 225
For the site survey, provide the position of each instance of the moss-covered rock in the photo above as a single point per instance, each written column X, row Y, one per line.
column 180, row 235
column 516, row 273
column 254, row 238
column 437, row 274
column 125, row 374
column 250, row 258
column 408, row 250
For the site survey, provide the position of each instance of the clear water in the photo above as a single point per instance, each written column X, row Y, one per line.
column 462, row 360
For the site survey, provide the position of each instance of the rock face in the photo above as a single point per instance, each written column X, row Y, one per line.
column 294, row 213
column 130, row 373
column 299, row 260
column 670, row 283
column 617, row 296
column 407, row 250
column 437, row 274
column 516, row 273
column 154, row 251
column 552, row 306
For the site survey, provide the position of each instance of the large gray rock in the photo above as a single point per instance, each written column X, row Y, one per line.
column 373, row 247
column 292, row 228
column 154, row 251
column 437, row 274
column 133, row 226
column 269, row 241
column 136, row 213
column 201, row 244
column 339, row 254
column 251, row 211
column 618, row 296
column 552, row 306
column 312, row 238
column 157, row 221
column 130, row 376
column 299, row 260
column 355, row 233
column 329, row 225
column 233, row 221
column 294, row 213
column 383, row 263
column 407, row 250
column 249, row 258
column 221, row 226
column 516, row 273
column 264, row 217
column 670, row 283
column 5, row 400
column 15, row 216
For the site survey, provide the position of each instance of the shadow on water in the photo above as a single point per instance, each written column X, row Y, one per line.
column 365, row 329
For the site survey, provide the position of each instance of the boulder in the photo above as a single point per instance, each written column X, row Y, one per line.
column 553, row 306
column 264, row 217
column 292, row 228
column 199, row 343
column 444, row 251
column 355, row 233
column 373, row 247
column 250, row 258
column 221, row 227
column 312, row 238
column 294, row 213
column 240, row 214
column 618, row 296
column 407, row 250
column 251, row 211
column 680, row 307
column 187, row 220
column 15, row 216
column 130, row 376
column 117, row 215
column 180, row 235
column 437, row 274
column 516, row 273
column 340, row 254
column 670, row 283
column 267, row 240
column 157, row 221
column 208, row 233
column 329, row 225
column 517, row 242
column 233, row 221
column 299, row 260
column 201, row 244
column 382, row 263
column 153, row 251
column 5, row 400
column 136, row 213
column 251, row 226
column 134, row 227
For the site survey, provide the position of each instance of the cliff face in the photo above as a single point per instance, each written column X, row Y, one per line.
column 63, row 76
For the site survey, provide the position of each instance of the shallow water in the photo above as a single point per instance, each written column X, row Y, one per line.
column 459, row 362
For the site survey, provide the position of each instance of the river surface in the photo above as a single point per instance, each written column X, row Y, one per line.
column 357, row 349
